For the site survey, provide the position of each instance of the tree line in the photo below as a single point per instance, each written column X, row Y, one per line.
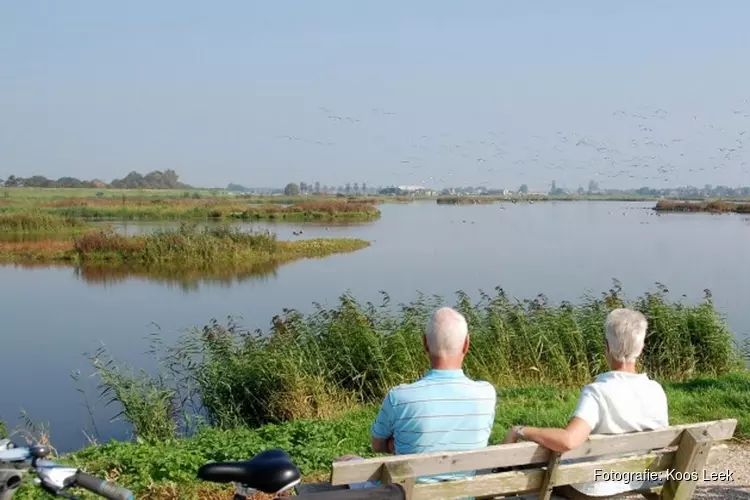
column 167, row 179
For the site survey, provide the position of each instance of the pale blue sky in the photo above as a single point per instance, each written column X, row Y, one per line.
column 97, row 89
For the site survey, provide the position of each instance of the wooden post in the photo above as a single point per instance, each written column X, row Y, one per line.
column 399, row 473
column 545, row 491
column 689, row 461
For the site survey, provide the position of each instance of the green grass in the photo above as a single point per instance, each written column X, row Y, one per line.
column 39, row 222
column 167, row 469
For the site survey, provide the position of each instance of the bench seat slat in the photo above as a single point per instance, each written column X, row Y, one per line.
column 527, row 453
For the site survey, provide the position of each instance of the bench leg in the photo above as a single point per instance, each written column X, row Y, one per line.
column 690, row 459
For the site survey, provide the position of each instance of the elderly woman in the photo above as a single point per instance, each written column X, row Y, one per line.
column 617, row 402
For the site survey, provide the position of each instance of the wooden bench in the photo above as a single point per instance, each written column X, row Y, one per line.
column 536, row 470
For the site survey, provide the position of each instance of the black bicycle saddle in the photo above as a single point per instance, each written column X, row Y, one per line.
column 271, row 471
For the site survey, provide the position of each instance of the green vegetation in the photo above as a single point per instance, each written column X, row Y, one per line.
column 38, row 222
column 195, row 206
column 716, row 206
column 316, row 365
column 166, row 469
column 311, row 385
column 187, row 246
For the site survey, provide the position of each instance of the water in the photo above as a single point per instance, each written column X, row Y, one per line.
column 562, row 249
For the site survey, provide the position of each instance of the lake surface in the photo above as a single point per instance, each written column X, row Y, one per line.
column 562, row 249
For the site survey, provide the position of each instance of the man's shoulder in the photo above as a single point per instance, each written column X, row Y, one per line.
column 606, row 384
column 428, row 384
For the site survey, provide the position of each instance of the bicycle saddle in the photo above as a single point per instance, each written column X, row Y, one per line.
column 271, row 471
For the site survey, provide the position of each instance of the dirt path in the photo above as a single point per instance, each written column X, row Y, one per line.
column 736, row 460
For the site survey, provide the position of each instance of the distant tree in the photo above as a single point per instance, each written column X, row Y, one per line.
column 523, row 189
column 303, row 187
column 348, row 188
column 157, row 179
column 237, row 188
column 317, row 187
column 356, row 187
column 580, row 190
column 593, row 186
column 291, row 189
column 364, row 188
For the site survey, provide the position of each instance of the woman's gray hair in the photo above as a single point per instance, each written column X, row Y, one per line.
column 625, row 330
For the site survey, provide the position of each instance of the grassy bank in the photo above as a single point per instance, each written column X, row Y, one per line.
column 41, row 195
column 189, row 209
column 39, row 222
column 166, row 470
column 187, row 246
column 716, row 206
column 197, row 207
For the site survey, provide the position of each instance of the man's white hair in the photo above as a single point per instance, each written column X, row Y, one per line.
column 625, row 331
column 446, row 332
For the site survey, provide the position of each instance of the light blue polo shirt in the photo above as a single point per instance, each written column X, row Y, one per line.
column 443, row 411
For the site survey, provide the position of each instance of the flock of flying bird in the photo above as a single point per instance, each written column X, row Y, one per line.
column 641, row 147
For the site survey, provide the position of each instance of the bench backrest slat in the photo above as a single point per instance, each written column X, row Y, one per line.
column 526, row 453
column 527, row 481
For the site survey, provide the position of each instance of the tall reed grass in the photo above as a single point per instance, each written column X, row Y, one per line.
column 35, row 222
column 189, row 208
column 210, row 251
column 332, row 360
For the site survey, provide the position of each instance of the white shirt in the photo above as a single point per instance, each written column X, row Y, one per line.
column 617, row 403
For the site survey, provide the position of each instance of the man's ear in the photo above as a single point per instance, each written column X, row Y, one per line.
column 424, row 343
column 466, row 344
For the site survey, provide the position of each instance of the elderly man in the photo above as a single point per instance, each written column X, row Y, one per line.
column 617, row 402
column 444, row 410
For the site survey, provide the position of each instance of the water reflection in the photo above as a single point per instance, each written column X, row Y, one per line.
column 188, row 279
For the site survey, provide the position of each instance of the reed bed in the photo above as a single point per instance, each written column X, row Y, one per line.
column 317, row 365
column 716, row 206
column 177, row 208
column 203, row 250
column 39, row 222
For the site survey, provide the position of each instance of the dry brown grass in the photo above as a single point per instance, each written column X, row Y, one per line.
column 35, row 250
column 312, row 398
